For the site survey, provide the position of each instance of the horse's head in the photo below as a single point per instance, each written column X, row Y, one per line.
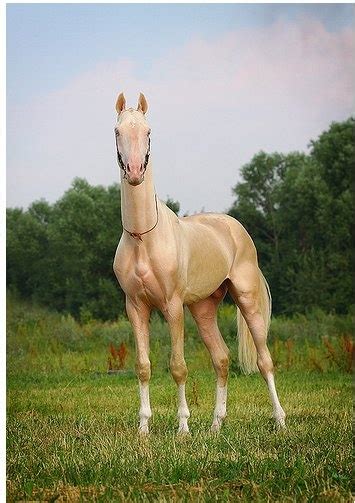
column 132, row 139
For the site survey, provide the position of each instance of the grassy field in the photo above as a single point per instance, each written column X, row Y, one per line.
column 71, row 428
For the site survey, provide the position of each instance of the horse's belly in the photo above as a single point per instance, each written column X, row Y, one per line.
column 194, row 293
column 204, row 279
column 210, row 253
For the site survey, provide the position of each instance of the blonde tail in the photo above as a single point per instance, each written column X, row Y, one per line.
column 246, row 347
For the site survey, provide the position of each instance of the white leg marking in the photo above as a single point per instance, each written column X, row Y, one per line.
column 220, row 410
column 278, row 411
column 183, row 410
column 145, row 412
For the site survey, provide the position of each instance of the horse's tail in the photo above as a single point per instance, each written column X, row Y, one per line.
column 246, row 348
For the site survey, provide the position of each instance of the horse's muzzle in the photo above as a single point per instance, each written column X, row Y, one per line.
column 135, row 180
column 135, row 174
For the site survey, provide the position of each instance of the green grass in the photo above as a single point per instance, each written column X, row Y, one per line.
column 72, row 429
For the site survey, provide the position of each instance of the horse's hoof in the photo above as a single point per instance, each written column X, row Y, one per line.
column 280, row 425
column 215, row 428
column 183, row 432
column 280, row 421
column 143, row 431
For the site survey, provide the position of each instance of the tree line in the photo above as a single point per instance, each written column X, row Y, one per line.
column 297, row 207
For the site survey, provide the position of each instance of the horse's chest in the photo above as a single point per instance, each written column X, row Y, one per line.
column 146, row 284
column 142, row 277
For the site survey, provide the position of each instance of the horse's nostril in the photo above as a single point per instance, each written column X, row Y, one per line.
column 128, row 168
column 141, row 168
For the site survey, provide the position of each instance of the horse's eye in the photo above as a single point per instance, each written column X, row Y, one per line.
column 149, row 131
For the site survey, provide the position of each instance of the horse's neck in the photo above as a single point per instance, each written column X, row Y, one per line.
column 138, row 207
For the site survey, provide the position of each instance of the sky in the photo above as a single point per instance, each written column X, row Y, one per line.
column 222, row 81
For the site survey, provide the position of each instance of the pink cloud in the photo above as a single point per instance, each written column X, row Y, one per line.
column 213, row 104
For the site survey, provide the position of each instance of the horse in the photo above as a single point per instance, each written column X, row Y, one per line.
column 164, row 262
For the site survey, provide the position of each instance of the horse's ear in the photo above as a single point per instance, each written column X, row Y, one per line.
column 120, row 103
column 142, row 104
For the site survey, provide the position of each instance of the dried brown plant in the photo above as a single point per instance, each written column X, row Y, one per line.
column 117, row 360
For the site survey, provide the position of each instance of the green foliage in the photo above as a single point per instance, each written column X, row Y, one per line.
column 335, row 155
column 298, row 209
column 27, row 241
column 62, row 255
column 173, row 205
column 40, row 341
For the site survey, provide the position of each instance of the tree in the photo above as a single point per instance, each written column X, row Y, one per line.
column 173, row 205
column 62, row 255
column 26, row 243
column 334, row 153
column 298, row 209
column 257, row 207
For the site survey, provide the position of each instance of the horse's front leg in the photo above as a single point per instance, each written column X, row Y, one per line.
column 174, row 315
column 138, row 315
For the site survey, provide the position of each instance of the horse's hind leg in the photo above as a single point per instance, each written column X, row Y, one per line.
column 205, row 315
column 249, row 293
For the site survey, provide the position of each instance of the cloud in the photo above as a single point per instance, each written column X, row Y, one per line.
column 213, row 104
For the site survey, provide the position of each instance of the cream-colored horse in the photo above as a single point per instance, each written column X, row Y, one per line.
column 166, row 262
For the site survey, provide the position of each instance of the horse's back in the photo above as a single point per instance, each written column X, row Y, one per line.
column 229, row 234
